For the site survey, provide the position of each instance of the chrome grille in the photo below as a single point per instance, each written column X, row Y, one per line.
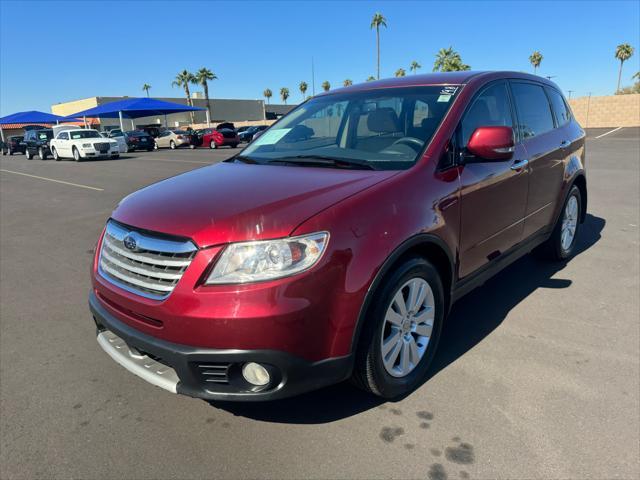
column 102, row 147
column 146, row 265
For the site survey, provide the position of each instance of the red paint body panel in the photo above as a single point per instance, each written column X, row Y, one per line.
column 474, row 209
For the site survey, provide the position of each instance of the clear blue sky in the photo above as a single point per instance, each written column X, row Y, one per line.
column 58, row 51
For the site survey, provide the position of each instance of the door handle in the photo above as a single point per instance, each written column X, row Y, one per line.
column 519, row 164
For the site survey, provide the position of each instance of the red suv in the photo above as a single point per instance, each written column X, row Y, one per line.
column 333, row 246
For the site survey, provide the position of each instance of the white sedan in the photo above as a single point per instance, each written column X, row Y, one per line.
column 80, row 144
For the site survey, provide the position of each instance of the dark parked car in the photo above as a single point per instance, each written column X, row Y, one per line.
column 13, row 145
column 136, row 140
column 334, row 245
column 36, row 142
column 248, row 134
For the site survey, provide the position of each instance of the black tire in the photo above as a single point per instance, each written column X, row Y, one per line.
column 54, row 152
column 369, row 372
column 172, row 145
column 76, row 154
column 235, row 145
column 553, row 249
column 212, row 145
column 28, row 155
column 42, row 155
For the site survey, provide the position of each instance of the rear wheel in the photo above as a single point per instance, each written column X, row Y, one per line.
column 402, row 329
column 76, row 154
column 42, row 155
column 28, row 154
column 562, row 242
column 212, row 145
column 235, row 145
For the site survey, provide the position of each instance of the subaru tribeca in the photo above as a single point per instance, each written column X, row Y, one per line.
column 334, row 245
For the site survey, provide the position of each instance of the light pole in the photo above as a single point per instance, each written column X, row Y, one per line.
column 570, row 92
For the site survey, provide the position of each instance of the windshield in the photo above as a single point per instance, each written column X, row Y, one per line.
column 76, row 134
column 45, row 135
column 383, row 129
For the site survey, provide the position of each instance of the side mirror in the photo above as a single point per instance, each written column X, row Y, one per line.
column 491, row 143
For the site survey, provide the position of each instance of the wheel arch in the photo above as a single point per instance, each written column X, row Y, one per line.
column 425, row 245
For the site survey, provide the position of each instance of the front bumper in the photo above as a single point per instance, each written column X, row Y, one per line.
column 211, row 374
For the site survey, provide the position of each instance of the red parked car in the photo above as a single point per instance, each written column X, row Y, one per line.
column 333, row 246
column 224, row 135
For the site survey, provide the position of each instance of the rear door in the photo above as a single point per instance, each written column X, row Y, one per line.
column 544, row 145
column 493, row 194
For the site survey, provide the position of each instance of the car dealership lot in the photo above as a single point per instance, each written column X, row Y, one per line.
column 537, row 375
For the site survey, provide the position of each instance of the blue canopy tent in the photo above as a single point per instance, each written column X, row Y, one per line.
column 32, row 117
column 135, row 108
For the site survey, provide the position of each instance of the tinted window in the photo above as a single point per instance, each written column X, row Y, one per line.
column 559, row 107
column 490, row 109
column 534, row 113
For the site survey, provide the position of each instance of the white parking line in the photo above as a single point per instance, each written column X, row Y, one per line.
column 610, row 131
column 53, row 180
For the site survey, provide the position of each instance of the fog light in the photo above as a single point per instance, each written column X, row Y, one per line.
column 255, row 374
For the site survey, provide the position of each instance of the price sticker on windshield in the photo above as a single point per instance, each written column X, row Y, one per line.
column 446, row 93
column 271, row 136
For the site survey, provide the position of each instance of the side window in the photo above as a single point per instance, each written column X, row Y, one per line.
column 63, row 136
column 559, row 107
column 534, row 113
column 490, row 109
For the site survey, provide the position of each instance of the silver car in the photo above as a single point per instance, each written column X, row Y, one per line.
column 173, row 139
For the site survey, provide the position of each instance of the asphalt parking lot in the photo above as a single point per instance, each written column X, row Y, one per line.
column 537, row 376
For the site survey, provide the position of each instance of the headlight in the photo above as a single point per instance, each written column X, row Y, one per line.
column 267, row 260
column 86, row 145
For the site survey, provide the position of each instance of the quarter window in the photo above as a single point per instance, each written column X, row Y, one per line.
column 534, row 113
column 63, row 136
column 559, row 107
column 490, row 109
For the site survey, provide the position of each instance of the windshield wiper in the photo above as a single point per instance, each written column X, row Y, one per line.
column 243, row 159
column 323, row 161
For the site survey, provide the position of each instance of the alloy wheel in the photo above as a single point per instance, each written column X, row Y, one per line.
column 408, row 324
column 569, row 223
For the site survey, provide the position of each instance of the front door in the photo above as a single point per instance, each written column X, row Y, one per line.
column 493, row 195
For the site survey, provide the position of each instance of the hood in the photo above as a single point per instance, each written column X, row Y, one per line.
column 231, row 202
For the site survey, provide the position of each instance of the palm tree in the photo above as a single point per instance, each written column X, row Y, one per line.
column 326, row 86
column 624, row 52
column 448, row 60
column 303, row 89
column 414, row 67
column 183, row 79
column 400, row 72
column 146, row 87
column 284, row 94
column 376, row 22
column 370, row 78
column 536, row 59
column 348, row 82
column 203, row 76
column 267, row 94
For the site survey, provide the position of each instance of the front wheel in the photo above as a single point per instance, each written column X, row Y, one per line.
column 192, row 146
column 28, row 155
column 54, row 152
column 212, row 145
column 562, row 242
column 402, row 329
column 172, row 145
column 76, row 154
column 155, row 145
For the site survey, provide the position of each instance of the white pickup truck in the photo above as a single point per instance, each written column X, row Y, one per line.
column 83, row 143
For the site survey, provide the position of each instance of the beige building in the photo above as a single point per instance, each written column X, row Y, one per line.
column 228, row 110
column 604, row 112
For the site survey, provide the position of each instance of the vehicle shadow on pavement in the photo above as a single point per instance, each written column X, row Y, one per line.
column 472, row 319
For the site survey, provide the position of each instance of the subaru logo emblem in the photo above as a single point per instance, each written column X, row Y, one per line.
column 130, row 242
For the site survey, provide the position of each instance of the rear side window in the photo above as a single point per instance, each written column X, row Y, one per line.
column 559, row 107
column 490, row 109
column 534, row 113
